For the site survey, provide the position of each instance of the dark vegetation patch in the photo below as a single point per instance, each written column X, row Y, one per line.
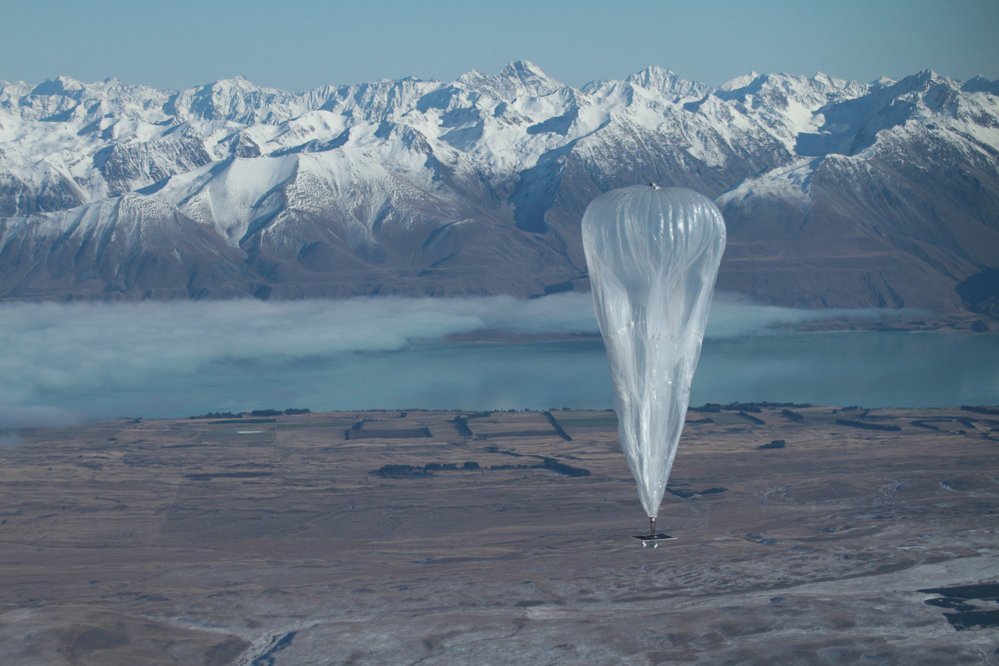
column 423, row 471
column 554, row 465
column 751, row 418
column 934, row 422
column 977, row 409
column 402, row 472
column 867, row 416
column 868, row 426
column 549, row 464
column 217, row 415
column 791, row 415
column 558, row 428
column 775, row 444
column 461, row 425
column 241, row 421
column 986, row 619
column 752, row 407
column 291, row 411
column 973, row 606
column 983, row 591
column 705, row 420
column 506, row 452
column 687, row 493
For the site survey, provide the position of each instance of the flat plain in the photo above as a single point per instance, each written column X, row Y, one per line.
column 456, row 537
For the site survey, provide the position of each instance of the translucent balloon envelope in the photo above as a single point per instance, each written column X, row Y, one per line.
column 653, row 256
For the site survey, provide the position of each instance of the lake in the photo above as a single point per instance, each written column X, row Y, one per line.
column 63, row 363
column 859, row 368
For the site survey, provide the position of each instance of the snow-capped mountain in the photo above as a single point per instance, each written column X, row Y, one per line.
column 836, row 193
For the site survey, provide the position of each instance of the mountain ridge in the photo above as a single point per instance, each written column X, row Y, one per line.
column 836, row 193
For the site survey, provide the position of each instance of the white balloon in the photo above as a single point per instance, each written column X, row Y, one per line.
column 653, row 256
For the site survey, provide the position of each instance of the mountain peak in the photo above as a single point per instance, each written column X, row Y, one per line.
column 740, row 81
column 656, row 78
column 931, row 76
column 921, row 81
column 926, row 75
column 653, row 76
column 515, row 79
column 61, row 85
column 239, row 82
column 524, row 70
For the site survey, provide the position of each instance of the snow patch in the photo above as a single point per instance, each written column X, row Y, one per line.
column 790, row 183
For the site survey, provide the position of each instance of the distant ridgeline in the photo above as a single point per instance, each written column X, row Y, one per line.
column 836, row 193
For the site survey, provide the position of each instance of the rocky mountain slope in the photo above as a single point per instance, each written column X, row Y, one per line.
column 835, row 193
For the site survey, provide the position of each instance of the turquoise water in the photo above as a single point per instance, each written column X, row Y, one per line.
column 873, row 369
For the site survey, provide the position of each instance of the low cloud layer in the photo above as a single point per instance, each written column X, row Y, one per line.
column 54, row 353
